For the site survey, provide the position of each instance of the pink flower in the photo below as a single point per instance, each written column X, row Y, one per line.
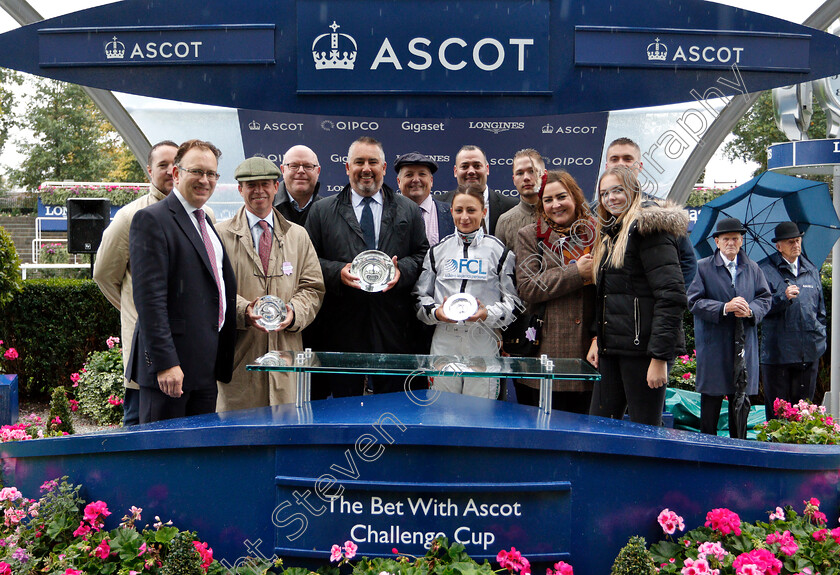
column 141, row 550
column 715, row 549
column 102, row 550
column 560, row 568
column 75, row 377
column 779, row 514
column 74, row 405
column 206, row 554
column 724, row 521
column 71, row 571
column 10, row 494
column 335, row 553
column 820, row 534
column 82, row 530
column 11, row 354
column 513, row 561
column 95, row 514
column 698, row 567
column 112, row 341
column 786, row 542
column 5, row 568
column 670, row 521
column 762, row 560
column 350, row 549
column 835, row 534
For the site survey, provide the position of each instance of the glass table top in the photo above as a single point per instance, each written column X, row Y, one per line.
column 425, row 365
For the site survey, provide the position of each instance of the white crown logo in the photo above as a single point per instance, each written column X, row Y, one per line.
column 657, row 51
column 254, row 125
column 335, row 58
column 547, row 129
column 114, row 50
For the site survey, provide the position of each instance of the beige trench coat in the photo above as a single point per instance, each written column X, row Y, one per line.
column 303, row 287
column 569, row 305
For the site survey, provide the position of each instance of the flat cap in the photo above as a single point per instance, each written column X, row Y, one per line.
column 415, row 158
column 257, row 168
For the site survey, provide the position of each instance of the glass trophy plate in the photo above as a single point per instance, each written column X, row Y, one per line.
column 374, row 270
column 460, row 306
column 273, row 311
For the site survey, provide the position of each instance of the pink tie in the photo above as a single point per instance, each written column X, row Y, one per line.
column 211, row 253
column 265, row 245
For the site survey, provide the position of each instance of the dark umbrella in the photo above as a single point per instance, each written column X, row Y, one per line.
column 739, row 413
column 763, row 203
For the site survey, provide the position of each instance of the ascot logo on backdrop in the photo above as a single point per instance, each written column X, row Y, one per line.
column 444, row 54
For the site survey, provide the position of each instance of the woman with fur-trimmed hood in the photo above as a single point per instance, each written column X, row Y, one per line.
column 640, row 299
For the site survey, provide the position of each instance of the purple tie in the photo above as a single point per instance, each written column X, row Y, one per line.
column 265, row 245
column 211, row 253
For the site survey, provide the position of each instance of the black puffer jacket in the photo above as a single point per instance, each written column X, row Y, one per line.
column 640, row 306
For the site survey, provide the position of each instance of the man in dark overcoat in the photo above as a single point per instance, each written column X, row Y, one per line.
column 728, row 287
column 351, row 319
column 793, row 336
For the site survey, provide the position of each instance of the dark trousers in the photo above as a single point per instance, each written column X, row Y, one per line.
column 789, row 381
column 571, row 401
column 157, row 406
column 131, row 407
column 340, row 385
column 623, row 386
column 710, row 414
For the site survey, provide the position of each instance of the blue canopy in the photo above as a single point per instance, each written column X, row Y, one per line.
column 763, row 203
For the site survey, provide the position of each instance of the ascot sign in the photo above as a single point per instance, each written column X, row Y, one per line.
column 403, row 59
column 455, row 59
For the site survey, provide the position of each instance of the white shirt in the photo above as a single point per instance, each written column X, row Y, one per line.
column 214, row 240
column 375, row 207
column 256, row 229
column 794, row 266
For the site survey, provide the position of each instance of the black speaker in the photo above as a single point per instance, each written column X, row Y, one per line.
column 87, row 218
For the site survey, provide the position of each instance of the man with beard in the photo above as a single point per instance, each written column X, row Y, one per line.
column 528, row 168
column 366, row 215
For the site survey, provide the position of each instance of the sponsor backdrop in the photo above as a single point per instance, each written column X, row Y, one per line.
column 571, row 142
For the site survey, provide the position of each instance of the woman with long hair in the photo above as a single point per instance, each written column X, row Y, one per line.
column 554, row 276
column 640, row 299
column 472, row 262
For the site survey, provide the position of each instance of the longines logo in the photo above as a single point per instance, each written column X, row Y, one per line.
column 329, row 125
column 341, row 53
column 497, row 127
column 276, row 126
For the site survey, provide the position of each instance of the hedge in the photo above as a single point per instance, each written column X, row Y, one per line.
column 54, row 324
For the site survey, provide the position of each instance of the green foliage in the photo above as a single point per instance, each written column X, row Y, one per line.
column 684, row 373
column 60, row 418
column 54, row 324
column 10, row 282
column 800, row 543
column 71, row 139
column 119, row 195
column 101, row 388
column 699, row 197
column 757, row 130
column 800, row 423
column 183, row 559
column 634, row 559
column 7, row 102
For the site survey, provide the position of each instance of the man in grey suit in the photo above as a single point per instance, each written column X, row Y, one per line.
column 185, row 294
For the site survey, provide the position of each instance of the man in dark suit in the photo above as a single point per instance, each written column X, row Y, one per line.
column 185, row 294
column 299, row 188
column 366, row 215
column 471, row 170
column 415, row 180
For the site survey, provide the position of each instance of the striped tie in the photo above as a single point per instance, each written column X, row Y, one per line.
column 265, row 245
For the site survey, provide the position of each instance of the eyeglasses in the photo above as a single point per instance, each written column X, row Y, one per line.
column 308, row 168
column 212, row 176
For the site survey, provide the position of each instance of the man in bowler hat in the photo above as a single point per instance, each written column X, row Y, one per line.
column 793, row 337
column 728, row 286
